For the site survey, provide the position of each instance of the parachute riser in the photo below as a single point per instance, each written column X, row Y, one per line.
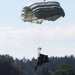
column 39, row 49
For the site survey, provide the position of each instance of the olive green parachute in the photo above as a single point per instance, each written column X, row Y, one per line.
column 38, row 12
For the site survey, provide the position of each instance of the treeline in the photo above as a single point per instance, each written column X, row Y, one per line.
column 55, row 66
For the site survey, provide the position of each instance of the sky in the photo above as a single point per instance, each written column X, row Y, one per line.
column 22, row 39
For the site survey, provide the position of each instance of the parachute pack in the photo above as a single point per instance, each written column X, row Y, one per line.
column 41, row 60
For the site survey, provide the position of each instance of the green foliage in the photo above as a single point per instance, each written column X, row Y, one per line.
column 8, row 66
column 65, row 70
column 11, row 66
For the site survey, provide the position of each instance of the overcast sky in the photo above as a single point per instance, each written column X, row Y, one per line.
column 21, row 39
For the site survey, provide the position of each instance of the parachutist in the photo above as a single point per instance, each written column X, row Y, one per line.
column 37, row 13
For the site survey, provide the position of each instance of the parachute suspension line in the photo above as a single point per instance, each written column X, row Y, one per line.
column 38, row 40
column 40, row 36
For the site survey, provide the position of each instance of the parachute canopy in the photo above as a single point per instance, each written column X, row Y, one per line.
column 38, row 12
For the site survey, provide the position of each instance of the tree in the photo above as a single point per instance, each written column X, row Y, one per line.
column 8, row 66
column 65, row 70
